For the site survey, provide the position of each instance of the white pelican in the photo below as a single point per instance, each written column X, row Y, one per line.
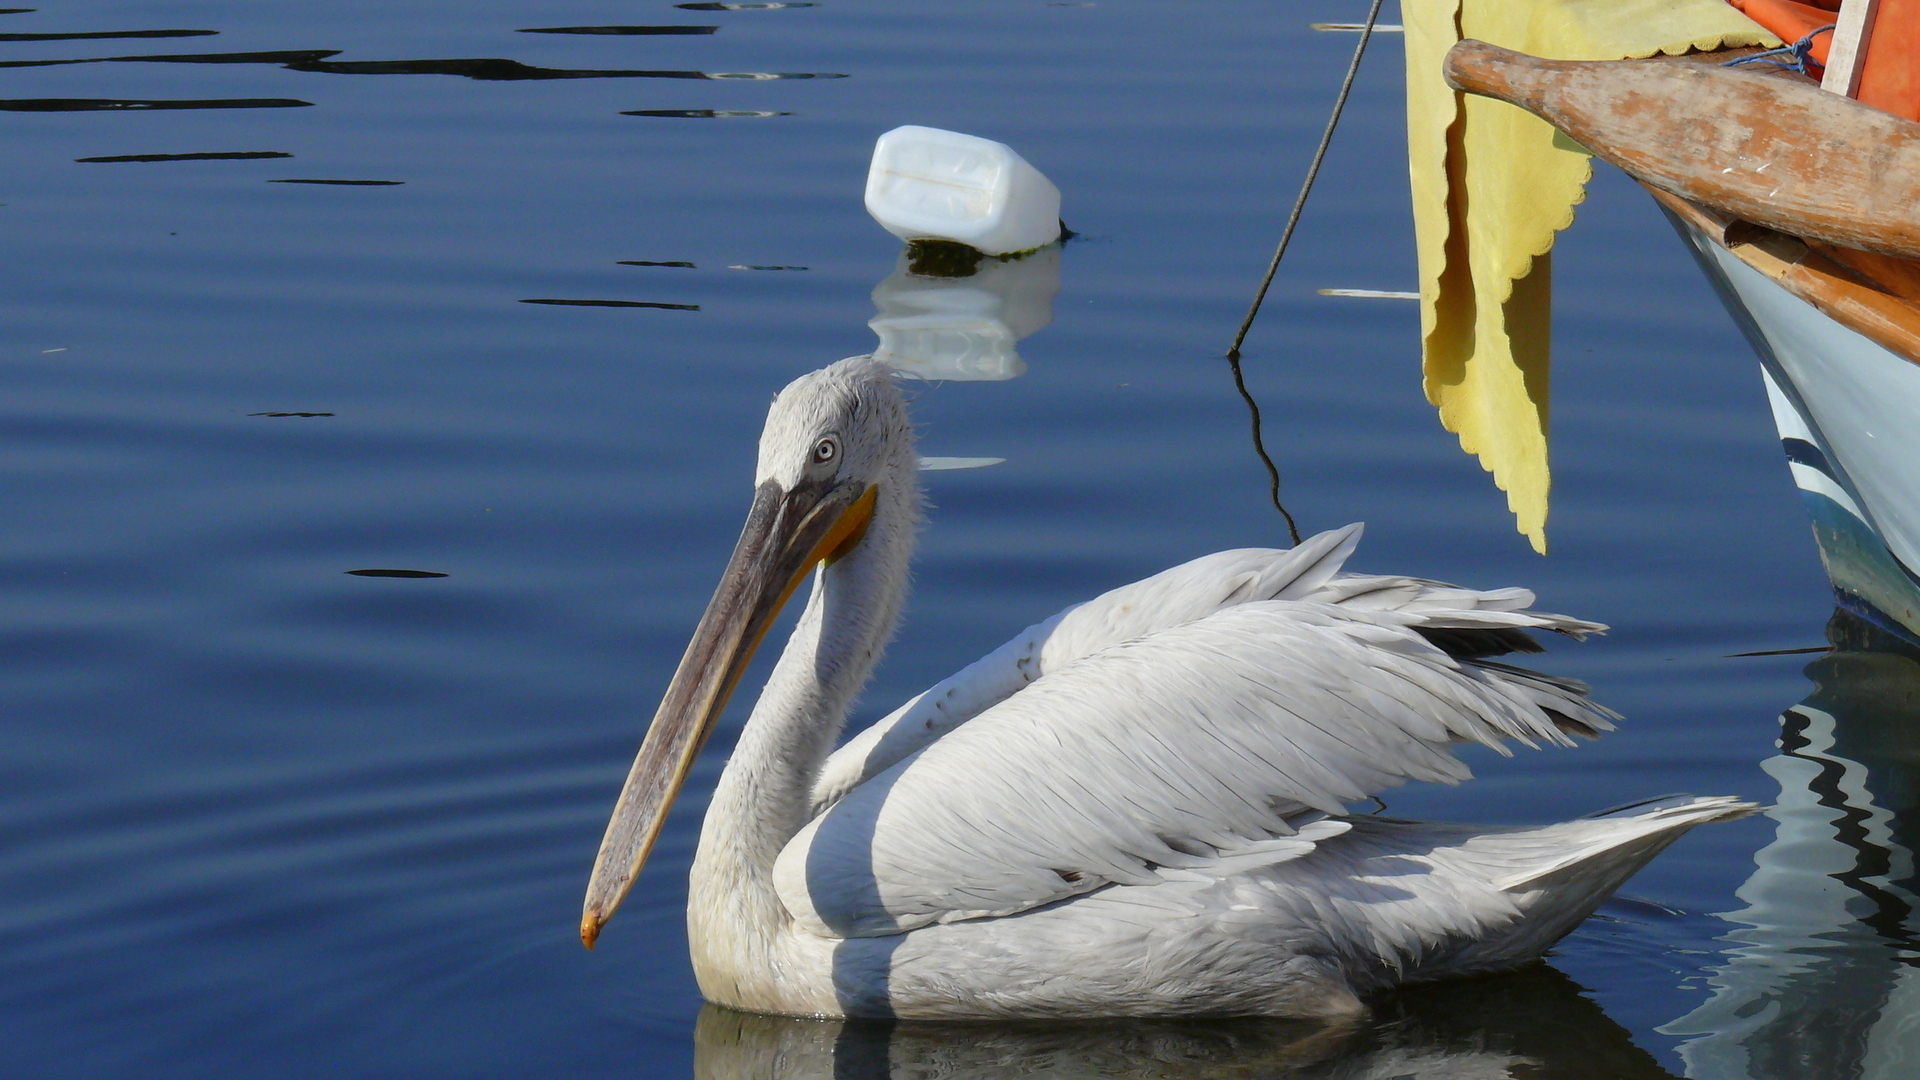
column 1136, row 807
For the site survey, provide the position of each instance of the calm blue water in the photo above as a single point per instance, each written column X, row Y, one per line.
column 266, row 818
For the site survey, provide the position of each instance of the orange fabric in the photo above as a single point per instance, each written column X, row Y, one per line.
column 1790, row 22
column 1890, row 81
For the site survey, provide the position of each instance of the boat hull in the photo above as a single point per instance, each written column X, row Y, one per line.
column 1848, row 413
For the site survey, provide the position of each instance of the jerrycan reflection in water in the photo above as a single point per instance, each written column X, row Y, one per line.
column 1530, row 1023
column 948, row 312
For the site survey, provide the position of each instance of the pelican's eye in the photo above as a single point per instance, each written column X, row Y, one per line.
column 825, row 451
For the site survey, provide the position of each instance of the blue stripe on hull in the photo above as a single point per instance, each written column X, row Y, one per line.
column 1806, row 453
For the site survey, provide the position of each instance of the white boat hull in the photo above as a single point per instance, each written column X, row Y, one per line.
column 1848, row 412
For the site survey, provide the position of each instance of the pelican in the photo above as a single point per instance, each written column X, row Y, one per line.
column 1137, row 807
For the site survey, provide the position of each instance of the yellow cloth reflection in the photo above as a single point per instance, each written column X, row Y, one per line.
column 1491, row 187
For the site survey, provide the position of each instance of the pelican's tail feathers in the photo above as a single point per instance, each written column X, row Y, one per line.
column 1557, row 875
column 1613, row 845
column 1496, row 898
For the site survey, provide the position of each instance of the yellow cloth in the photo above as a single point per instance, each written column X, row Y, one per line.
column 1491, row 187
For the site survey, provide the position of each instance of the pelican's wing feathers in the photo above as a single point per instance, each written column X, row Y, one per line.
column 1174, row 597
column 1192, row 590
column 1175, row 748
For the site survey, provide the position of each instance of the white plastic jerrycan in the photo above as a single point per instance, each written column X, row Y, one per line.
column 929, row 184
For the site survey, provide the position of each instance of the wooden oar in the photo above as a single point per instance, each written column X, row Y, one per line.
column 1775, row 151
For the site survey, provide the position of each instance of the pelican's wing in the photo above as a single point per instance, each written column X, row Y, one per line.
column 1175, row 597
column 1165, row 751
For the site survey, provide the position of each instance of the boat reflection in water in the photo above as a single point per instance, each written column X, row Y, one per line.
column 949, row 312
column 1532, row 1022
column 1825, row 976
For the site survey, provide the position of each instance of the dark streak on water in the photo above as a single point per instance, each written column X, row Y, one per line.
column 485, row 69
column 278, row 414
column 741, row 7
column 489, row 69
column 623, row 31
column 398, row 573
column 648, row 262
column 123, row 105
column 1783, row 652
column 497, row 70
column 763, row 76
column 238, row 155
column 104, row 34
column 341, row 183
column 286, row 57
column 702, row 114
column 613, row 303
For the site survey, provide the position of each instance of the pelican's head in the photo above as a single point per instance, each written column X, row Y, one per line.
column 835, row 439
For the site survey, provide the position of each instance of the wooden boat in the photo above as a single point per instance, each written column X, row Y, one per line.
column 1802, row 206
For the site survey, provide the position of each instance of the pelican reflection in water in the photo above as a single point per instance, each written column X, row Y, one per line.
column 1530, row 1023
column 1137, row 807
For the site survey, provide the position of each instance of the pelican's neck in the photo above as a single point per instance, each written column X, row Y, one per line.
column 764, row 794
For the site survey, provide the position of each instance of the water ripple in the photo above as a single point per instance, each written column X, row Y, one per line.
column 392, row 851
column 126, row 105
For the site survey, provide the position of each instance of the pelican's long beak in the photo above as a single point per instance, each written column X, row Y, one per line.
column 787, row 534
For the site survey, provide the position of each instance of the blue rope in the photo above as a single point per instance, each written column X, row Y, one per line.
column 1800, row 51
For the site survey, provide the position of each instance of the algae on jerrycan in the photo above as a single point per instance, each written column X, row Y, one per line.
column 929, row 184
